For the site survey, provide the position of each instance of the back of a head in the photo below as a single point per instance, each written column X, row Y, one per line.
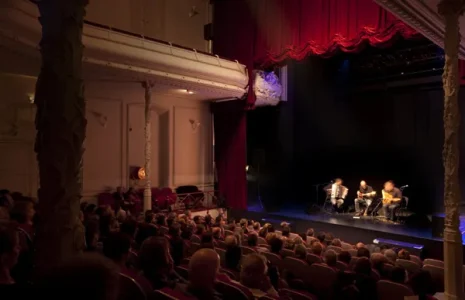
column 286, row 231
column 20, row 211
column 363, row 252
column 363, row 266
column 331, row 258
column 276, row 245
column 144, row 232
column 129, row 227
column 203, row 268
column 230, row 240
column 422, row 283
column 252, row 270
column 321, row 237
column 317, row 248
column 344, row 256
column 391, row 255
column 378, row 260
column 359, row 245
column 256, row 226
column 252, row 240
column 404, row 254
column 154, row 256
column 300, row 251
column 336, row 243
column 310, row 232
column 161, row 220
column 87, row 276
column 263, row 232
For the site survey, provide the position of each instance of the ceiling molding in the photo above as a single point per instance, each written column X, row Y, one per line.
column 424, row 17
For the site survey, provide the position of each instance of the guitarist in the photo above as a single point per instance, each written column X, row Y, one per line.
column 365, row 196
column 391, row 199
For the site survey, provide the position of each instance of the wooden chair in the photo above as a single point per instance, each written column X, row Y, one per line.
column 183, row 271
column 261, row 241
column 416, row 260
column 232, row 291
column 313, row 259
column 434, row 262
column 222, row 254
column 287, row 253
column 221, row 244
column 247, row 250
column 334, row 248
column 408, row 265
column 342, row 266
column 193, row 248
column 274, row 259
column 295, row 267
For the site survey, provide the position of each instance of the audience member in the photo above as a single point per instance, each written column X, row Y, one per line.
column 254, row 276
column 363, row 252
column 300, row 252
column 207, row 241
column 331, row 259
column 203, row 270
column 233, row 254
column 359, row 245
column 9, row 253
column 336, row 243
column 178, row 252
column 310, row 232
column 391, row 256
column 404, row 254
column 286, row 231
column 422, row 285
column 156, row 263
column 345, row 257
column 364, row 282
column 317, row 248
column 276, row 245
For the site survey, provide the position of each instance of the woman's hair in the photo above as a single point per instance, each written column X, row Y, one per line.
column 233, row 257
column 154, row 256
column 19, row 213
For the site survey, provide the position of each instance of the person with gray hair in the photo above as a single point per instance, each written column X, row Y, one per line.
column 331, row 259
column 391, row 256
column 254, row 276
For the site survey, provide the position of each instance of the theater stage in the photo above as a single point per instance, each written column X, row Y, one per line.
column 416, row 237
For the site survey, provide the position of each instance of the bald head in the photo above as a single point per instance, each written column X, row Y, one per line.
column 363, row 183
column 203, row 268
column 230, row 240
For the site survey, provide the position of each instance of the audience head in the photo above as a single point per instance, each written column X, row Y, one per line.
column 359, row 245
column 216, row 232
column 87, row 276
column 252, row 240
column 263, row 232
column 336, row 243
column 363, row 252
column 200, row 229
column 203, row 269
column 161, row 220
column 9, row 247
column 286, row 231
column 345, row 257
column 206, row 241
column 116, row 247
column 300, row 252
column 92, row 234
column 129, row 227
column 331, row 258
column 197, row 220
column 398, row 275
column 149, row 216
column 317, row 248
column 377, row 261
column 276, row 245
column 256, row 226
column 363, row 266
column 253, row 271
column 391, row 256
column 23, row 212
column 144, row 232
column 208, row 220
column 404, row 254
column 243, row 222
column 154, row 257
column 175, row 230
column 422, row 283
column 310, row 232
column 321, row 237
column 230, row 240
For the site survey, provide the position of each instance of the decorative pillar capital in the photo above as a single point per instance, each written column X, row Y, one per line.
column 451, row 7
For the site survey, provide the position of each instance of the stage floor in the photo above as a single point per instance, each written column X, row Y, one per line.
column 347, row 225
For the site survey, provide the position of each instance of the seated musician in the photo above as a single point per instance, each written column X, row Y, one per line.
column 365, row 196
column 338, row 194
column 391, row 199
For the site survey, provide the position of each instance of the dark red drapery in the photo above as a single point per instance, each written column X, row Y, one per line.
column 230, row 151
column 260, row 33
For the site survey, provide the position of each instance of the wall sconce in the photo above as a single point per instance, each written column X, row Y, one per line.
column 194, row 124
column 31, row 98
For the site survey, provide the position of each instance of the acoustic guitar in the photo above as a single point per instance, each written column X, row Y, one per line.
column 388, row 199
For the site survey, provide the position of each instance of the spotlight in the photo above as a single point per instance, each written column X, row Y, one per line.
column 189, row 92
column 247, row 168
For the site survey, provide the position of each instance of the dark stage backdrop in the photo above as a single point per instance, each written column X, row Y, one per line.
column 327, row 129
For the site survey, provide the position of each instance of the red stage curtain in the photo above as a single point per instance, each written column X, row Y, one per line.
column 230, row 151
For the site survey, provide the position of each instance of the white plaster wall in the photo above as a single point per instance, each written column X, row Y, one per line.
column 114, row 139
column 166, row 20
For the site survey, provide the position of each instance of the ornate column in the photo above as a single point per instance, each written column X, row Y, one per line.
column 61, row 127
column 453, row 260
column 148, row 146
